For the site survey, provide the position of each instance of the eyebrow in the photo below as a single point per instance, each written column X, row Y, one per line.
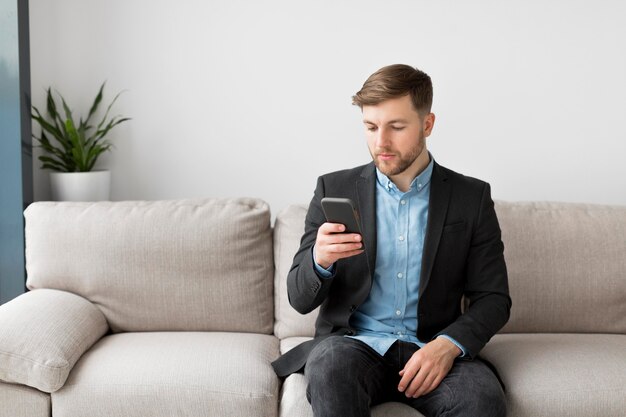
column 389, row 122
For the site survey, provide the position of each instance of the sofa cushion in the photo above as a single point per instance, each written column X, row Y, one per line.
column 42, row 335
column 291, row 342
column 21, row 401
column 173, row 374
column 288, row 230
column 196, row 265
column 577, row 375
column 566, row 265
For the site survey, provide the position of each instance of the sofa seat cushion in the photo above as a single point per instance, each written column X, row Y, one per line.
column 293, row 402
column 22, row 401
column 173, row 374
column 561, row 374
column 291, row 342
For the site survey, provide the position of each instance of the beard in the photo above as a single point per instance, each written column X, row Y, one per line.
column 401, row 162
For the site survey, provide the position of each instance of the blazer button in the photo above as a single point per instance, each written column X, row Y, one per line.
column 352, row 308
column 349, row 333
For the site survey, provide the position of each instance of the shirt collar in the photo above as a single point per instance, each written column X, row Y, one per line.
column 418, row 182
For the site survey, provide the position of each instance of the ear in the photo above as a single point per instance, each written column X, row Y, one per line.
column 428, row 123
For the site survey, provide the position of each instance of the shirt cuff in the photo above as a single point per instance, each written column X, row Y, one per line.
column 457, row 344
column 322, row 272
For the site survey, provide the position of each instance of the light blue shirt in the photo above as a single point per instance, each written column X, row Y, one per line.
column 390, row 311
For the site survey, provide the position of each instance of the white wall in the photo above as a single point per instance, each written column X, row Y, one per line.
column 245, row 98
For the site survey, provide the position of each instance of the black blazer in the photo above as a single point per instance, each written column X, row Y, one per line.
column 463, row 255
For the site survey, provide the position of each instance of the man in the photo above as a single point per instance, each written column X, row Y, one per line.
column 391, row 325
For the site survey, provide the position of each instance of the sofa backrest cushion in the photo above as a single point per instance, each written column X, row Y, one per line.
column 566, row 265
column 288, row 230
column 194, row 265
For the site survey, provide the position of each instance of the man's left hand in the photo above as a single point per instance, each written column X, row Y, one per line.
column 428, row 367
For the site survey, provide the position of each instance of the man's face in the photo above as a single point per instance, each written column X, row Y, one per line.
column 396, row 134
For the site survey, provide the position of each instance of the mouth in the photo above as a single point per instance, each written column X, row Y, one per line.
column 386, row 156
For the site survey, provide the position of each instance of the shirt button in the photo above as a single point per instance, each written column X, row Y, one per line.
column 419, row 185
column 401, row 238
column 398, row 312
column 399, row 274
column 403, row 202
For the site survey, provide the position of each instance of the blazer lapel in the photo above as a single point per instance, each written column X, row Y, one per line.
column 366, row 201
column 437, row 210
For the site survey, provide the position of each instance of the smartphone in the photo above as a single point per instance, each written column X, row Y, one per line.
column 341, row 210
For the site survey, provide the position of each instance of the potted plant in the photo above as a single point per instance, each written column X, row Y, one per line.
column 73, row 149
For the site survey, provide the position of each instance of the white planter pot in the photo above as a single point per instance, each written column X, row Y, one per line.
column 80, row 186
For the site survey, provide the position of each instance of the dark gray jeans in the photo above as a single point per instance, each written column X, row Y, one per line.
column 346, row 377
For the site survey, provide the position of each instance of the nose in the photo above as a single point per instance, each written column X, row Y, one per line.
column 382, row 138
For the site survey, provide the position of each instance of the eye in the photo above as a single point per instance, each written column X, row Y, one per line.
column 371, row 128
column 397, row 127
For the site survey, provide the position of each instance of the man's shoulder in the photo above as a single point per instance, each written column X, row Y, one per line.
column 350, row 174
column 461, row 179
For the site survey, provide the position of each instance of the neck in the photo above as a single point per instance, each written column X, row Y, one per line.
column 403, row 180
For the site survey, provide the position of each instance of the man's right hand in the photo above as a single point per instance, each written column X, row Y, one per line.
column 331, row 244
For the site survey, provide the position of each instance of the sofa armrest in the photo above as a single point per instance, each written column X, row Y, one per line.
column 42, row 335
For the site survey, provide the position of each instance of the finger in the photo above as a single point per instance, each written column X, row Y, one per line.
column 417, row 382
column 328, row 228
column 426, row 386
column 349, row 254
column 407, row 375
column 435, row 384
column 343, row 237
column 344, row 247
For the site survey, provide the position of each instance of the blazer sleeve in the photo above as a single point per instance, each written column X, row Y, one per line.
column 486, row 286
column 305, row 289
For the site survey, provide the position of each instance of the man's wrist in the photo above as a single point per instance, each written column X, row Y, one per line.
column 320, row 269
column 453, row 347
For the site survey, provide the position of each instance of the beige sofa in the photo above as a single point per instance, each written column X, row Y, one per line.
column 177, row 308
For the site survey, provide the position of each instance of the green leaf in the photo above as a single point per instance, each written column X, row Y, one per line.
column 44, row 124
column 45, row 144
column 106, row 114
column 95, row 152
column 96, row 103
column 51, row 105
column 78, row 151
column 47, row 127
column 52, row 164
column 68, row 112
column 112, row 123
column 52, row 110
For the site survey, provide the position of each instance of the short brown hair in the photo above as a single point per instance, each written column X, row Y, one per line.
column 396, row 81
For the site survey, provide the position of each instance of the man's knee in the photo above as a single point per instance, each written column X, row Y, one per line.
column 337, row 359
column 344, row 377
column 331, row 355
column 482, row 394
